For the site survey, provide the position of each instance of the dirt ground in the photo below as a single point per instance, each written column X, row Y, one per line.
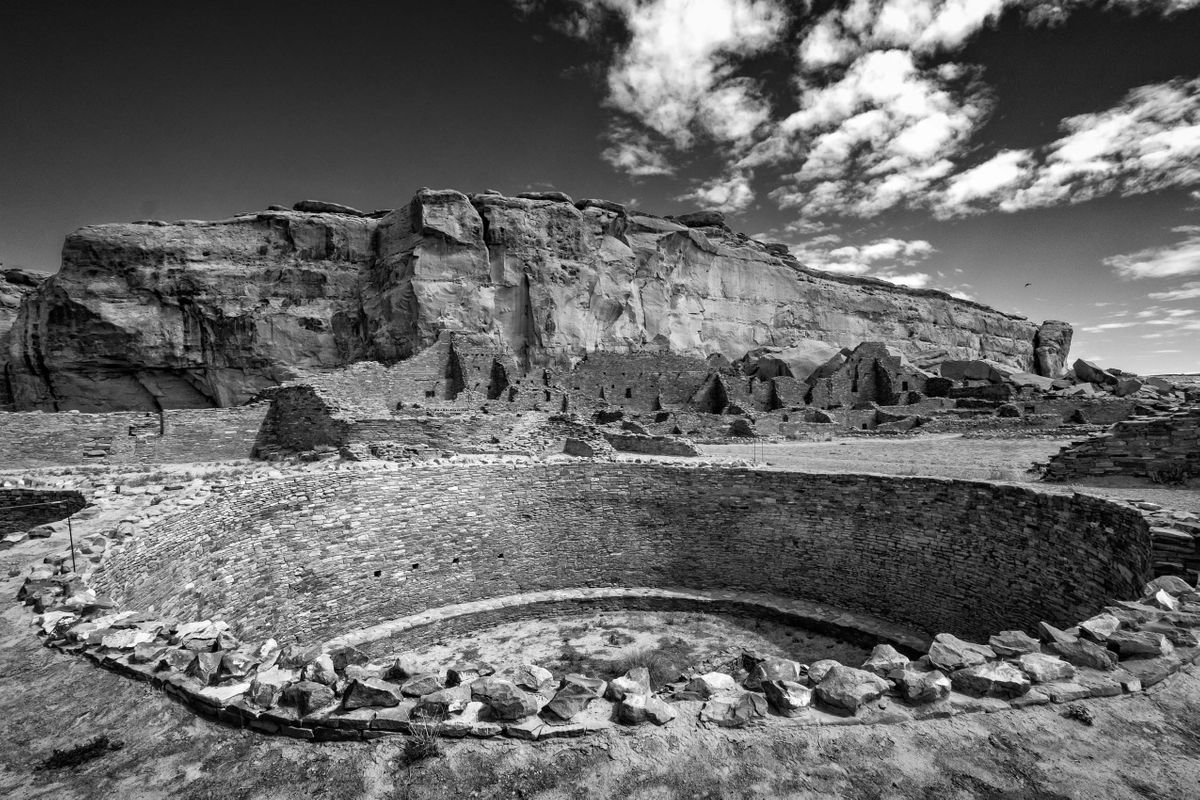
column 598, row 644
column 1138, row 746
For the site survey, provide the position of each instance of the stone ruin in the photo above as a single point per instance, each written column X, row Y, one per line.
column 435, row 383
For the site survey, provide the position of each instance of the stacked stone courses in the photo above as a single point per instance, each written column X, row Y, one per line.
column 308, row 557
column 1163, row 447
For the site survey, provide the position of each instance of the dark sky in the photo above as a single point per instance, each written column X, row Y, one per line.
column 121, row 111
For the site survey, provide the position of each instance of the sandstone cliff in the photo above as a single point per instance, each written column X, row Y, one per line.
column 190, row 314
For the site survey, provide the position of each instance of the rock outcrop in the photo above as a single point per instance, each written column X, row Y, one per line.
column 15, row 286
column 188, row 314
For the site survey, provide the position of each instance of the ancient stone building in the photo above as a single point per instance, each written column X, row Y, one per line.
column 873, row 372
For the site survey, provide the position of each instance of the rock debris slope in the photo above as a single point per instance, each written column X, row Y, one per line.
column 156, row 315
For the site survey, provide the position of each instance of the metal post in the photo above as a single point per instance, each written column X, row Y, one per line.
column 71, row 533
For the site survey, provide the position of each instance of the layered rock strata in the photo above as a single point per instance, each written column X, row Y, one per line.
column 156, row 315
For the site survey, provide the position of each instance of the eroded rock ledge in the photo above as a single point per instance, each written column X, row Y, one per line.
column 190, row 314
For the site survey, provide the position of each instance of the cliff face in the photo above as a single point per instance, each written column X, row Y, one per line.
column 206, row 313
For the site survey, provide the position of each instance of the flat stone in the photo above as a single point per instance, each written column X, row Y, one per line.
column 1066, row 692
column 994, row 679
column 364, row 693
column 441, row 704
column 1009, row 644
column 1085, row 654
column 735, row 710
column 569, row 701
column 1042, row 668
column 1140, row 643
column 1099, row 627
column 421, row 685
column 126, row 639
column 949, row 653
column 397, row 718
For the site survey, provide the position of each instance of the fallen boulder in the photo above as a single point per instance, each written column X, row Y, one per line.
column 848, row 688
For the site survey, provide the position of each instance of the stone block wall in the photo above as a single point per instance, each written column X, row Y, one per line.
column 1158, row 447
column 37, row 439
column 22, row 509
column 315, row 556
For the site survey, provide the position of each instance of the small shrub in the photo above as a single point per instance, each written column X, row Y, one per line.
column 422, row 742
column 662, row 667
column 1170, row 475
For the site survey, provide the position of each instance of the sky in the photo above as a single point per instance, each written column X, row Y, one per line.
column 1042, row 158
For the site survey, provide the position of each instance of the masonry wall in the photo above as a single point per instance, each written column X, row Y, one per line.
column 22, row 509
column 1155, row 447
column 311, row 557
column 37, row 439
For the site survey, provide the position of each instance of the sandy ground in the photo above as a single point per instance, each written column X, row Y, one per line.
column 600, row 643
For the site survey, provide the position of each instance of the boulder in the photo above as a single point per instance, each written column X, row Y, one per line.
column 442, row 703
column 205, row 667
column 1172, row 584
column 712, row 683
column 568, row 701
column 1089, row 372
column 884, row 659
column 635, row 709
column 308, row 696
column 921, row 687
column 949, row 653
column 507, row 702
column 532, row 677
column 1127, row 386
column 819, row 669
column 321, row 670
column 322, row 207
column 994, row 679
column 787, row 697
column 776, row 669
column 1042, row 668
column 466, row 672
column 634, row 682
column 371, row 692
column 735, row 710
column 848, row 688
column 268, row 686
column 237, row 664
column 403, row 668
column 1008, row 644
column 1051, row 344
column 126, row 639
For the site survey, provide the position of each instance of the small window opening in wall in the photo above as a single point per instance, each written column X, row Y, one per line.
column 1030, row 409
column 854, row 385
column 785, row 417
column 378, row 573
column 904, row 386
column 547, row 393
column 429, row 393
column 501, row 555
column 416, row 566
column 864, row 426
column 628, row 392
column 454, row 560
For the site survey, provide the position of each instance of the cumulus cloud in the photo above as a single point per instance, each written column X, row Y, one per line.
column 888, row 259
column 729, row 193
column 1169, row 261
column 634, row 153
column 1148, row 141
column 881, row 116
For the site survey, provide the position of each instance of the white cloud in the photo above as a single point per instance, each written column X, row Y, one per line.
column 675, row 77
column 1168, row 261
column 634, row 154
column 887, row 259
column 1189, row 291
column 1108, row 326
column 730, row 193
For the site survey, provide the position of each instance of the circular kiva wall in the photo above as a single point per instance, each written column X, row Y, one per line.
column 308, row 558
